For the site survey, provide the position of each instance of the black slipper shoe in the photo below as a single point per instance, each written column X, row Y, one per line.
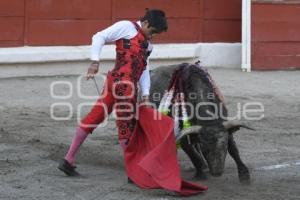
column 67, row 168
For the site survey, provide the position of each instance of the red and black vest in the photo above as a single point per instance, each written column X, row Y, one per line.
column 132, row 55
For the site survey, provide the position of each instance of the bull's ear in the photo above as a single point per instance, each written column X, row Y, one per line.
column 188, row 131
column 234, row 125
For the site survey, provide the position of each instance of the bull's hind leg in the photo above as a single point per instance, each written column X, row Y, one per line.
column 243, row 170
column 195, row 157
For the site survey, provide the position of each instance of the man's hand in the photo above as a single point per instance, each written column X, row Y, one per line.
column 92, row 70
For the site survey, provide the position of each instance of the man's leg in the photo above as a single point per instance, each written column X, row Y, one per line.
column 125, row 106
column 99, row 112
column 78, row 139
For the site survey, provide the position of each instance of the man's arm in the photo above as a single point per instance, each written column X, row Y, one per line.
column 145, row 84
column 121, row 29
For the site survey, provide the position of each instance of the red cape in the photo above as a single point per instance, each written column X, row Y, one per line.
column 151, row 156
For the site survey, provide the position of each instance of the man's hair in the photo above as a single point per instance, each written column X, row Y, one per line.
column 156, row 19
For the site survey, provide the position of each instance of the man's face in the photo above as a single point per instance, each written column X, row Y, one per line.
column 148, row 31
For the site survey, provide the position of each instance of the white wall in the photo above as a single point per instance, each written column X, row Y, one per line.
column 48, row 61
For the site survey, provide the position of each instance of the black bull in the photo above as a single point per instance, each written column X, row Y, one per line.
column 209, row 145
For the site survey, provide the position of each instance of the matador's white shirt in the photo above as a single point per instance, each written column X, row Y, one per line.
column 122, row 29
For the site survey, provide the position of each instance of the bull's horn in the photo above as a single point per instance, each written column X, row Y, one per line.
column 188, row 131
column 235, row 124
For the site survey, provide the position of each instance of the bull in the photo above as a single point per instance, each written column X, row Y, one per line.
column 209, row 141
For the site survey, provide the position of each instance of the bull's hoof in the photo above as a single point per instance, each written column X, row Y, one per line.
column 244, row 176
column 201, row 176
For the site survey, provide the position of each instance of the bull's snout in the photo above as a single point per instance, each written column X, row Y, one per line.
column 216, row 172
column 216, row 163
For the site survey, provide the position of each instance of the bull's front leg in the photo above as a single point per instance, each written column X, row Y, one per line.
column 195, row 157
column 243, row 170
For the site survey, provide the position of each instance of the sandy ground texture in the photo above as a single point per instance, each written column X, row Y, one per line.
column 32, row 142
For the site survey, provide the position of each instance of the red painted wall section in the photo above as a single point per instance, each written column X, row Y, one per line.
column 69, row 9
column 275, row 35
column 222, row 21
column 12, row 22
column 63, row 32
column 183, row 18
column 173, row 8
column 65, row 22
column 73, row 22
column 12, row 8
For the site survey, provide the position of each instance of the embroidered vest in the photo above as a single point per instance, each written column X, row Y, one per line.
column 132, row 55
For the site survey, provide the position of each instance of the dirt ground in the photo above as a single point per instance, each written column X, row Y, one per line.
column 31, row 143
